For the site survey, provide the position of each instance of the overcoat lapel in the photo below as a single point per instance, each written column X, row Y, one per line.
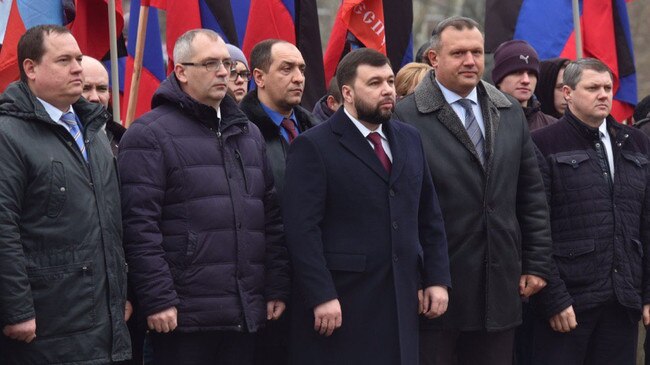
column 353, row 141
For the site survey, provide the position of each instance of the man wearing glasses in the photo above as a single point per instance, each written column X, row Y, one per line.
column 202, row 229
column 279, row 72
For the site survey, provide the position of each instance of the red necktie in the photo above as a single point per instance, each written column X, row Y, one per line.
column 375, row 139
column 290, row 127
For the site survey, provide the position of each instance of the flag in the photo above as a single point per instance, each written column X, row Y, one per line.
column 548, row 26
column 383, row 25
column 244, row 23
column 153, row 64
column 87, row 20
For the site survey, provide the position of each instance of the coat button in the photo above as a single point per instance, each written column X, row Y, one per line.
column 62, row 189
column 573, row 161
column 395, row 225
column 597, row 144
column 395, row 258
column 391, row 193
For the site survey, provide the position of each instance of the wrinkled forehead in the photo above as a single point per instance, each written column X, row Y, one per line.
column 59, row 44
column 205, row 47
column 283, row 52
column 595, row 78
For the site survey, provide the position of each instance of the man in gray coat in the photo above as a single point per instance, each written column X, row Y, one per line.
column 62, row 268
column 491, row 193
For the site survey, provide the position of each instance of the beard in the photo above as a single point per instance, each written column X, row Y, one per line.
column 375, row 115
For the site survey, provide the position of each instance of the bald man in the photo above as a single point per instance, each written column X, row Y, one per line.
column 96, row 90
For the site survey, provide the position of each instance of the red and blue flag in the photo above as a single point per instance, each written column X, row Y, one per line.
column 548, row 26
column 87, row 20
column 244, row 23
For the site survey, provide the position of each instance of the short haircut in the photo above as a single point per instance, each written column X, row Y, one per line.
column 32, row 44
column 346, row 71
column 183, row 46
column 334, row 90
column 573, row 71
column 642, row 110
column 411, row 74
column 458, row 22
column 261, row 57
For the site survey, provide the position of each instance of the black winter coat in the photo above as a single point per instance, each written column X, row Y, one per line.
column 496, row 218
column 601, row 230
column 202, row 225
column 61, row 257
column 277, row 146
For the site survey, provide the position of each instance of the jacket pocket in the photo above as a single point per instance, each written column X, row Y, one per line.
column 635, row 169
column 63, row 298
column 572, row 170
column 576, row 261
column 58, row 190
column 345, row 262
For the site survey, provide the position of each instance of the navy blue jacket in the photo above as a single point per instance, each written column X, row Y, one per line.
column 202, row 228
column 364, row 236
column 600, row 228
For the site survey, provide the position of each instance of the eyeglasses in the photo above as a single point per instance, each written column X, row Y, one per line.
column 212, row 66
column 245, row 75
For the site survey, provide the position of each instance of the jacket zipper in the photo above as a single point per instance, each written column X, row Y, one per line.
column 243, row 169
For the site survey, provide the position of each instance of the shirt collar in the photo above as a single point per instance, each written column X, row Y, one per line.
column 603, row 129
column 363, row 129
column 451, row 97
column 275, row 116
column 53, row 111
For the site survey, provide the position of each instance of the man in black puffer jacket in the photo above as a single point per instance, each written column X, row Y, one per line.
column 203, row 233
column 597, row 180
column 62, row 268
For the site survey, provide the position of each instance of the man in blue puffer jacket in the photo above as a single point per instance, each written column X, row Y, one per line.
column 203, row 233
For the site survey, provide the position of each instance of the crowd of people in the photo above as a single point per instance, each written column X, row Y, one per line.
column 424, row 217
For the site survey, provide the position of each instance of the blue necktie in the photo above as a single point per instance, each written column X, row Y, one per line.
column 473, row 129
column 69, row 119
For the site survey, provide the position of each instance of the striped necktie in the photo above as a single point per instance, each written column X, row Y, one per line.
column 473, row 129
column 69, row 119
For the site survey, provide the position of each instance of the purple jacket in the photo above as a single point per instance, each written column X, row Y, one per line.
column 202, row 227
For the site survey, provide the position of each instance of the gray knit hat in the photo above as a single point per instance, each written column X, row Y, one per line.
column 237, row 55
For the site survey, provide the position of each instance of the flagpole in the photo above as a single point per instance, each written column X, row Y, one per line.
column 137, row 62
column 576, row 27
column 115, row 81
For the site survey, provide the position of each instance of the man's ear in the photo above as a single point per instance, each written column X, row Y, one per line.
column 348, row 94
column 258, row 77
column 179, row 71
column 432, row 56
column 29, row 66
column 566, row 91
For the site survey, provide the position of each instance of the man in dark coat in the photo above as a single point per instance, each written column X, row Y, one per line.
column 329, row 103
column 492, row 199
column 279, row 73
column 515, row 72
column 203, row 232
column 364, row 228
column 62, row 267
column 597, row 181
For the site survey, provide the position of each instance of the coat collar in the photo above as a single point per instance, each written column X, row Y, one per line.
column 429, row 99
column 253, row 109
column 352, row 140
